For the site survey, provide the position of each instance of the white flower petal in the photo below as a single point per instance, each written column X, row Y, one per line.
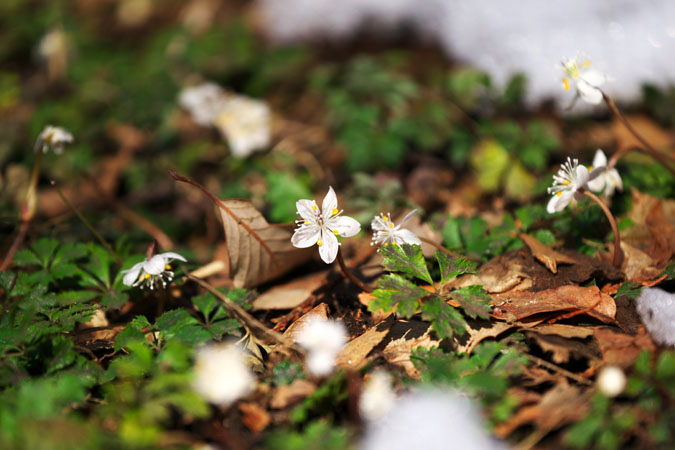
column 593, row 77
column 345, row 225
column 588, row 93
column 168, row 256
column 305, row 236
column 378, row 224
column 582, row 176
column 614, row 180
column 599, row 160
column 559, row 202
column 408, row 237
column 329, row 246
column 596, row 185
column 305, row 209
column 155, row 266
column 131, row 275
column 329, row 203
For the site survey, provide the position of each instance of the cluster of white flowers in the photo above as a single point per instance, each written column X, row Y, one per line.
column 611, row 381
column 322, row 226
column 54, row 139
column 243, row 121
column 377, row 397
column 221, row 374
column 153, row 271
column 587, row 80
column 431, row 419
column 323, row 340
column 572, row 178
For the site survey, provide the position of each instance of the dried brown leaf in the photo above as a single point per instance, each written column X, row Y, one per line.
column 622, row 349
column 319, row 312
column 549, row 257
column 254, row 417
column 513, row 306
column 404, row 337
column 289, row 295
column 354, row 354
column 288, row 394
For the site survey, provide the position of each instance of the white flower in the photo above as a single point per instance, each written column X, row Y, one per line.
column 384, row 231
column 53, row 138
column 151, row 271
column 323, row 340
column 566, row 184
column 221, row 374
column 430, row 420
column 377, row 397
column 611, row 381
column 586, row 80
column 321, row 227
column 656, row 308
column 244, row 122
column 608, row 180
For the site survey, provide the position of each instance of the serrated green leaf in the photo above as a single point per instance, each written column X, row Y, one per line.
column 452, row 267
column 445, row 320
column 206, row 303
column 474, row 301
column 396, row 292
column 407, row 259
column 224, row 327
column 174, row 319
column 629, row 289
column 69, row 252
column 25, row 257
column 44, row 249
column 114, row 298
column 529, row 214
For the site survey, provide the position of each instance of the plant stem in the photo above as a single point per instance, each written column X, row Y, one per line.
column 350, row 275
column 616, row 261
column 86, row 223
column 647, row 148
column 438, row 246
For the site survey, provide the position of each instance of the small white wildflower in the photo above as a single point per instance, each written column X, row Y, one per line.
column 611, row 381
column 323, row 340
column 430, row 420
column 221, row 374
column 377, row 397
column 568, row 182
column 244, row 122
column 656, row 308
column 608, row 180
column 321, row 227
column 586, row 79
column 385, row 232
column 54, row 138
column 152, row 271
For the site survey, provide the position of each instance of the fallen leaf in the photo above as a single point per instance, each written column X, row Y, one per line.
column 636, row 264
column 549, row 257
column 477, row 334
column 654, row 134
column 562, row 349
column 289, row 295
column 288, row 394
column 319, row 312
column 254, row 417
column 404, row 337
column 354, row 354
column 513, row 306
column 653, row 230
column 621, row 349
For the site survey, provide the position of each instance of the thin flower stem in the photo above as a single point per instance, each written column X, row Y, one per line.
column 647, row 148
column 9, row 258
column 86, row 223
column 439, row 247
column 616, row 261
column 350, row 275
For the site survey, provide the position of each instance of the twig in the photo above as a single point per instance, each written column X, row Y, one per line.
column 86, row 223
column 651, row 151
column 616, row 261
column 350, row 275
column 9, row 258
column 560, row 370
column 254, row 325
column 220, row 204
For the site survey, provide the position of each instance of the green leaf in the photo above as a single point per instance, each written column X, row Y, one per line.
column 25, row 257
column 396, row 292
column 629, row 289
column 445, row 320
column 44, row 249
column 528, row 215
column 407, row 259
column 174, row 319
column 453, row 267
column 114, row 298
column 544, row 236
column 474, row 301
column 286, row 372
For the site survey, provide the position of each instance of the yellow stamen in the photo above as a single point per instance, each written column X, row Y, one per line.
column 319, row 242
column 385, row 218
column 314, row 208
column 566, row 182
column 575, row 75
column 334, row 211
column 306, row 222
column 391, row 225
column 147, row 275
column 559, row 194
column 587, row 63
column 566, row 84
column 167, row 267
column 336, row 232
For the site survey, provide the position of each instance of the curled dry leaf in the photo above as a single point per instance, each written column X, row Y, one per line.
column 288, row 394
column 549, row 257
column 354, row 354
column 254, row 417
column 622, row 349
column 319, row 312
column 258, row 251
column 518, row 305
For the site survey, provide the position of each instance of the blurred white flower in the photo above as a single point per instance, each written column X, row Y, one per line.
column 244, row 122
column 611, row 381
column 429, row 420
column 53, row 138
column 377, row 397
column 656, row 308
column 586, row 79
column 152, row 271
column 567, row 184
column 53, row 49
column 321, row 227
column 221, row 374
column 323, row 340
column 607, row 180
column 385, row 232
